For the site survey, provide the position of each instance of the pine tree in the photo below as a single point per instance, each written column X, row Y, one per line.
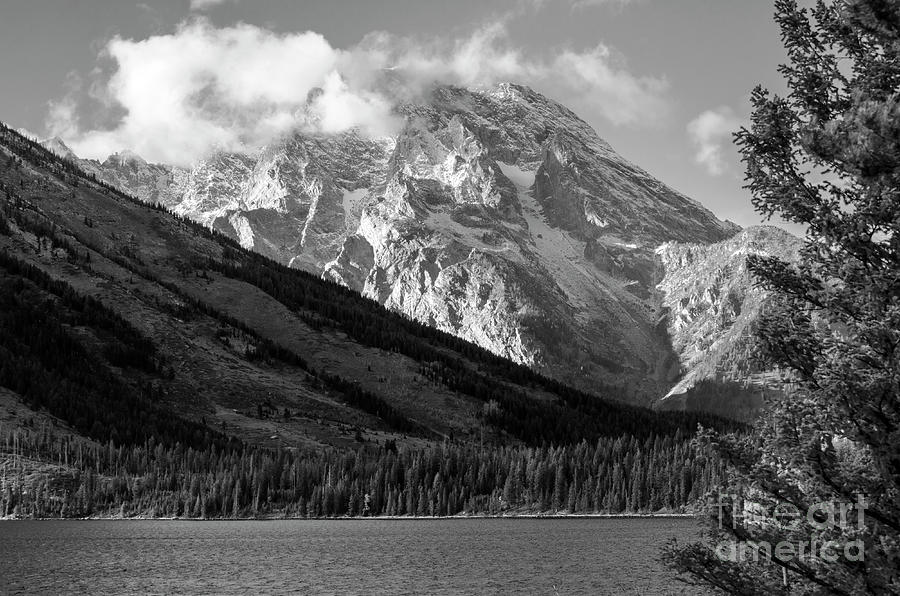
column 827, row 156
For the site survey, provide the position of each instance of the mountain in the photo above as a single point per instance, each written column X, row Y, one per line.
column 712, row 305
column 58, row 146
column 496, row 215
column 152, row 183
column 128, row 323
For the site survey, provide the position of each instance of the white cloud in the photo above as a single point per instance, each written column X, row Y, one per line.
column 206, row 4
column 595, row 82
column 711, row 133
column 175, row 97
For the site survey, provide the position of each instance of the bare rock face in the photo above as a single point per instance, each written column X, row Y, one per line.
column 711, row 305
column 55, row 145
column 496, row 215
column 488, row 227
column 152, row 183
column 289, row 201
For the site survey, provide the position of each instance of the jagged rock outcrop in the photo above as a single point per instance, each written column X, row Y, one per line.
column 711, row 305
column 153, row 183
column 489, row 226
column 291, row 201
column 497, row 215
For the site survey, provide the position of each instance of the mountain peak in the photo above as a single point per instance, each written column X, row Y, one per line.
column 59, row 147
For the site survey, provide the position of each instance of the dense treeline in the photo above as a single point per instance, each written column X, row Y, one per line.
column 610, row 476
column 5, row 230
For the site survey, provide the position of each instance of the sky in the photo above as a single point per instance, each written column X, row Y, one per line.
column 665, row 82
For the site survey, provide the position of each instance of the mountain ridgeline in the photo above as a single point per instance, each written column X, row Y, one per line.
column 165, row 349
column 500, row 217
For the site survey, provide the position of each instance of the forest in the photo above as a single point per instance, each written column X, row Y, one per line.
column 623, row 475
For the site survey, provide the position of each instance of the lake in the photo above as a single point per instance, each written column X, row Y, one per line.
column 457, row 556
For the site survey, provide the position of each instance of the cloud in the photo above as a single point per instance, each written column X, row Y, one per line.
column 201, row 88
column 710, row 133
column 175, row 97
column 595, row 82
column 206, row 4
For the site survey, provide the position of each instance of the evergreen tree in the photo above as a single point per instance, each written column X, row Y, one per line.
column 827, row 156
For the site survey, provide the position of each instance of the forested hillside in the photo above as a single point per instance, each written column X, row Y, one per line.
column 610, row 476
column 170, row 355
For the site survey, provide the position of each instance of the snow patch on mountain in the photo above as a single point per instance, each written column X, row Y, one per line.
column 244, row 232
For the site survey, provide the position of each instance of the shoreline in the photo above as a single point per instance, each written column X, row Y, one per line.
column 532, row 516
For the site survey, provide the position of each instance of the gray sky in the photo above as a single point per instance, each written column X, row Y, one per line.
column 664, row 81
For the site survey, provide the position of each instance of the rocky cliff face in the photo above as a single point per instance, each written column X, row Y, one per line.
column 711, row 305
column 505, row 219
column 497, row 215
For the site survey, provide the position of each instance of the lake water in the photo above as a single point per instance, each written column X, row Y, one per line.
column 459, row 556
